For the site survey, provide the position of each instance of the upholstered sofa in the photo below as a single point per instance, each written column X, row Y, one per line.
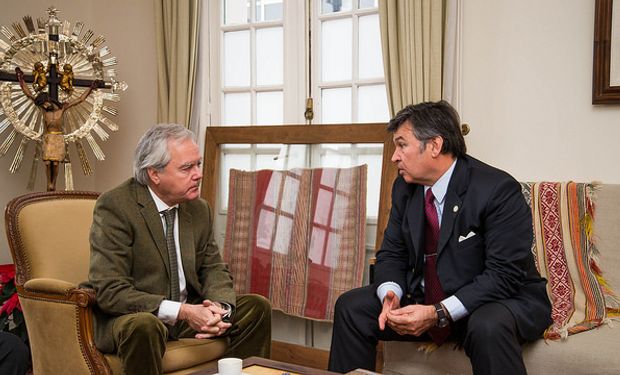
column 596, row 351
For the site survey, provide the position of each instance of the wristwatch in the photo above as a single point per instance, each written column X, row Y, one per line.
column 443, row 321
column 229, row 310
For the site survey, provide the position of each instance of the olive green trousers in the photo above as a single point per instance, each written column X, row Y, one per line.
column 140, row 338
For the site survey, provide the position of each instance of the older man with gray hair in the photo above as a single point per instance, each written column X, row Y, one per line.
column 156, row 268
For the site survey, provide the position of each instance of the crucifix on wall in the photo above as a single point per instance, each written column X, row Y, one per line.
column 56, row 82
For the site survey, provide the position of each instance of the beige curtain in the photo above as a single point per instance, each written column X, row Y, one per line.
column 412, row 41
column 452, row 54
column 177, row 23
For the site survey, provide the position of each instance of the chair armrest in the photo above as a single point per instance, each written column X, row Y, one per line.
column 47, row 285
column 71, row 308
column 60, row 289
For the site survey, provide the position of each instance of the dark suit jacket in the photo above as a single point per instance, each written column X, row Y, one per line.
column 496, row 264
column 129, row 267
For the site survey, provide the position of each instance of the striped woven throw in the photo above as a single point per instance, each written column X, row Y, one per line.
column 563, row 219
column 297, row 237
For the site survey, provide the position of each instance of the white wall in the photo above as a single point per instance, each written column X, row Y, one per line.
column 129, row 29
column 527, row 84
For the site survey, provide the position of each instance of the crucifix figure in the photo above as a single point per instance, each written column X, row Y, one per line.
column 54, row 106
column 66, row 80
column 53, row 149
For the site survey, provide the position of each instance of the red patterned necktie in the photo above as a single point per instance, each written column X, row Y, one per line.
column 433, row 292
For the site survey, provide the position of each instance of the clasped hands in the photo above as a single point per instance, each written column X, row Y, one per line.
column 409, row 320
column 206, row 319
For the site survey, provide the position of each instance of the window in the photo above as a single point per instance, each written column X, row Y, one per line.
column 266, row 65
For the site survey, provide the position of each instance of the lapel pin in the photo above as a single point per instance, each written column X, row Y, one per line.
column 455, row 208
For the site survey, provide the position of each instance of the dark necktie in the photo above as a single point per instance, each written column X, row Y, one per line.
column 175, row 293
column 433, row 292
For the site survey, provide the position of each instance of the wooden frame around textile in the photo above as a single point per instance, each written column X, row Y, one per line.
column 301, row 134
column 602, row 91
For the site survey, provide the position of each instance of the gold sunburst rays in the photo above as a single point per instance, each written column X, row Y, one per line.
column 19, row 155
column 8, row 34
column 24, row 43
column 19, row 30
column 33, row 167
column 32, row 117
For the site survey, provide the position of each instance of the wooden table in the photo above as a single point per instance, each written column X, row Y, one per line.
column 262, row 366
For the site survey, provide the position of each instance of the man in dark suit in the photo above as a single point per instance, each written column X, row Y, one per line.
column 155, row 266
column 455, row 260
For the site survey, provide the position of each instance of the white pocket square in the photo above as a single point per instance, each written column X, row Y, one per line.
column 469, row 235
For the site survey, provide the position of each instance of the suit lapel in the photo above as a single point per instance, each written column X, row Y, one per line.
column 153, row 222
column 452, row 204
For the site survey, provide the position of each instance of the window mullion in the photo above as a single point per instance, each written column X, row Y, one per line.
column 355, row 67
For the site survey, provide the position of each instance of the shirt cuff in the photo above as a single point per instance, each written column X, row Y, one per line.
column 169, row 311
column 455, row 308
column 386, row 287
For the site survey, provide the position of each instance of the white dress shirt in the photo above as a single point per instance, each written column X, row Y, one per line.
column 169, row 310
column 452, row 303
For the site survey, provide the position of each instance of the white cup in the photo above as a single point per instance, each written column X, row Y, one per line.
column 229, row 366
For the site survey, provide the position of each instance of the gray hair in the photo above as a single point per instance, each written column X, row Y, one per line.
column 152, row 150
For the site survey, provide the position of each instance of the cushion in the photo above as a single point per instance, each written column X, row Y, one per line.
column 591, row 352
column 297, row 237
column 565, row 254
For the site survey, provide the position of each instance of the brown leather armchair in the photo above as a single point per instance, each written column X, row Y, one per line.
column 48, row 237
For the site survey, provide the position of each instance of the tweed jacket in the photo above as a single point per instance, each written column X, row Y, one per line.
column 129, row 267
column 484, row 247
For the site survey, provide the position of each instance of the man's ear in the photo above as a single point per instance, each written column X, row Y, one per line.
column 153, row 175
column 436, row 146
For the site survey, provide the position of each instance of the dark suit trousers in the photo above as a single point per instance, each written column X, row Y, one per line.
column 489, row 336
column 14, row 355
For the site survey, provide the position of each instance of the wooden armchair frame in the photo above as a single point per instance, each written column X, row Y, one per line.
column 32, row 289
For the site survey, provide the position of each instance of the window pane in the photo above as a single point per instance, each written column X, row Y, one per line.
column 237, row 110
column 373, row 183
column 336, row 50
column 266, row 162
column 236, row 11
column 236, row 58
column 332, row 6
column 336, row 105
column 368, row 4
column 268, row 10
column 235, row 147
column 269, row 56
column 369, row 42
column 372, row 104
column 269, row 108
column 237, row 161
column 273, row 147
column 344, row 148
column 370, row 148
column 292, row 156
column 335, row 155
